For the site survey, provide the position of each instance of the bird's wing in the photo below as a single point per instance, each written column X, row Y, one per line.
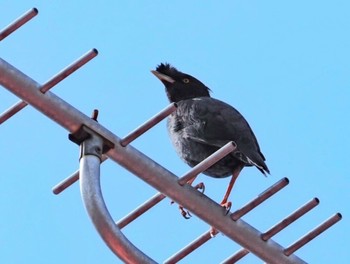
column 215, row 123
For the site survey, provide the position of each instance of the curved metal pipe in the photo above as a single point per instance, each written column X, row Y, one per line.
column 94, row 203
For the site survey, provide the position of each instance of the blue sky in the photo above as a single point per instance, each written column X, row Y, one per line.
column 283, row 64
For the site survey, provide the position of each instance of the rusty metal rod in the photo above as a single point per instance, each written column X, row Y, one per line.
column 275, row 229
column 148, row 124
column 208, row 162
column 191, row 247
column 69, row 70
column 261, row 198
column 237, row 256
column 140, row 210
column 18, row 23
column 290, row 219
column 61, row 186
column 51, row 82
column 312, row 234
column 202, row 166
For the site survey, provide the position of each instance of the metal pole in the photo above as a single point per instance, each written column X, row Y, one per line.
column 144, row 167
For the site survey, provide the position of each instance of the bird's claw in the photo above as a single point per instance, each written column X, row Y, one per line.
column 227, row 206
column 186, row 214
column 200, row 186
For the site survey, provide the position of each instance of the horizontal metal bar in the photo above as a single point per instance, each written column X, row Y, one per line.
column 144, row 167
column 290, row 219
column 208, row 162
column 312, row 234
column 275, row 229
column 140, row 210
column 7, row 114
column 51, row 82
column 88, row 56
column 18, row 23
column 237, row 256
column 67, row 182
column 61, row 186
column 148, row 124
column 261, row 198
column 190, row 247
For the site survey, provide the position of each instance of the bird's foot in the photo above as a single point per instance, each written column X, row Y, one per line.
column 200, row 186
column 227, row 206
column 185, row 213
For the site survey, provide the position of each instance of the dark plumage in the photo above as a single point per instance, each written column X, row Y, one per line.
column 202, row 124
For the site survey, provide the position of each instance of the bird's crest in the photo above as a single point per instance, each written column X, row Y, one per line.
column 166, row 69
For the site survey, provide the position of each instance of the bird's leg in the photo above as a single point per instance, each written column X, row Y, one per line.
column 200, row 186
column 224, row 202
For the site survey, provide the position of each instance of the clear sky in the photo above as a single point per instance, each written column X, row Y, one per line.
column 283, row 64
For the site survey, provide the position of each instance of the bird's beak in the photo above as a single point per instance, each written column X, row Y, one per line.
column 164, row 78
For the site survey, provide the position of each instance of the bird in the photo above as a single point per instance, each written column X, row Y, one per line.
column 201, row 125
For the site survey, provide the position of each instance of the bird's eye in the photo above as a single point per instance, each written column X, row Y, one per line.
column 186, row 80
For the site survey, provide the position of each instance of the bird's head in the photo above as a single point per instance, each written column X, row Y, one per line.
column 178, row 85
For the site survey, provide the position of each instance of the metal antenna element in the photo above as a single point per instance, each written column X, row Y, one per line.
column 18, row 23
column 312, row 234
column 260, row 198
column 208, row 162
column 51, row 83
column 147, row 125
column 190, row 247
column 290, row 219
column 98, row 143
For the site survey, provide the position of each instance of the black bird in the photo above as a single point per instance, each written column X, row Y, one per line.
column 201, row 125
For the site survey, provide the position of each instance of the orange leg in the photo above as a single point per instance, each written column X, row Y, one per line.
column 224, row 203
column 234, row 177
